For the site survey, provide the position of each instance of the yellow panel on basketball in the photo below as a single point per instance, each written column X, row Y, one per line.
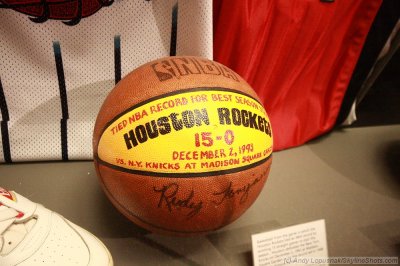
column 182, row 146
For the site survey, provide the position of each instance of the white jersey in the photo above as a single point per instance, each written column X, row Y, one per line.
column 60, row 60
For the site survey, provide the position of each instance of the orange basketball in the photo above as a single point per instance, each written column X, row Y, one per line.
column 182, row 146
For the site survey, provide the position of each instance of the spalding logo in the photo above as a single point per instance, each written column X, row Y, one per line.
column 180, row 67
column 42, row 10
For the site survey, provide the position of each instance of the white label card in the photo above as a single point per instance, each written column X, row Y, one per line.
column 291, row 245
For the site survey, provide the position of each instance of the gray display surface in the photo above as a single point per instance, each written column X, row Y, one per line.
column 350, row 178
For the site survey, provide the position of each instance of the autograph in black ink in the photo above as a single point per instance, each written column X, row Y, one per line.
column 243, row 192
column 169, row 199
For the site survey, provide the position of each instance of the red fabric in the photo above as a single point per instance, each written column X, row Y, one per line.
column 298, row 55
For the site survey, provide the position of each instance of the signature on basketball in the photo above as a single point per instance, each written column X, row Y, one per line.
column 169, row 199
column 230, row 193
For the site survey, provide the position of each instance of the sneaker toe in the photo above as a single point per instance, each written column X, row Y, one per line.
column 98, row 253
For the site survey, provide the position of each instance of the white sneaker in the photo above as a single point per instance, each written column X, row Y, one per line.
column 33, row 235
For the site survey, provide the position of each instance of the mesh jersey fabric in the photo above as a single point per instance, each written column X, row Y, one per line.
column 58, row 63
column 298, row 55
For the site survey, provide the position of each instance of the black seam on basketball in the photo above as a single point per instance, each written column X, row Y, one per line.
column 181, row 175
column 171, row 94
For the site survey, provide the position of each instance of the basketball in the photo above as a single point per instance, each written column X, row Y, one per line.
column 182, row 146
